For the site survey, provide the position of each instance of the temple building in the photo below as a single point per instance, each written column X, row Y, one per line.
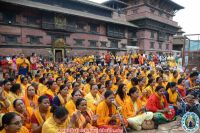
column 62, row 28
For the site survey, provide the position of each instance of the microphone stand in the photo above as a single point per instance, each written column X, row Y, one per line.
column 183, row 104
column 121, row 118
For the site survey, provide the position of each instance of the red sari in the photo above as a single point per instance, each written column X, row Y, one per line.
column 154, row 104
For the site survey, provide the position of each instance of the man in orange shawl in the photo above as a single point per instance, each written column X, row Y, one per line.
column 41, row 114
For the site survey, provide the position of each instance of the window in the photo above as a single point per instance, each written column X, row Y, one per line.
column 34, row 20
column 123, row 45
column 34, row 39
column 152, row 34
column 132, row 43
column 9, row 18
column 152, row 45
column 103, row 44
column 114, row 43
column 93, row 43
column 93, row 28
column 11, row 38
column 80, row 26
column 79, row 42
column 160, row 45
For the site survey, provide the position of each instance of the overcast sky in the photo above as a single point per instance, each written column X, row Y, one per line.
column 187, row 18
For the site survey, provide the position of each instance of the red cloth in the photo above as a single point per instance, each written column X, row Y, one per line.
column 34, row 119
column 153, row 104
column 107, row 58
column 182, row 90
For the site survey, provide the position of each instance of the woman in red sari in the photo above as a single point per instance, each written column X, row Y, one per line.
column 157, row 104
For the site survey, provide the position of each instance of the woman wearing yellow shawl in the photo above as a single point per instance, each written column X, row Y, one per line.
column 11, row 123
column 71, row 106
column 41, row 114
column 15, row 93
column 85, row 117
column 122, row 98
column 23, row 65
column 24, row 83
column 62, row 98
column 51, row 91
column 136, row 115
column 158, row 104
column 93, row 98
column 24, row 112
column 150, row 89
column 107, row 112
column 172, row 95
column 59, row 122
column 30, row 98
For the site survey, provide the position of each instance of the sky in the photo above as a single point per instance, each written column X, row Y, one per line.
column 187, row 18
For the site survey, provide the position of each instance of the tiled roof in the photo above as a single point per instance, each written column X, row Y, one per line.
column 58, row 9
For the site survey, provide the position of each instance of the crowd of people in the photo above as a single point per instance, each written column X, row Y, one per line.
column 131, row 91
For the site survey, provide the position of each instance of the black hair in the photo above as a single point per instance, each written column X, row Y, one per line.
column 150, row 81
column 120, row 91
column 194, row 74
column 50, row 83
column 15, row 88
column 11, row 79
column 89, row 78
column 7, row 118
column 15, row 101
column 132, row 90
column 59, row 111
column 5, row 81
column 107, row 83
column 170, row 85
column 41, row 80
column 1, row 83
column 134, row 80
column 78, row 101
column 62, row 87
column 23, row 78
column 74, row 92
column 175, row 72
column 158, row 79
column 58, row 78
column 108, row 93
column 41, row 98
column 158, row 88
column 180, row 81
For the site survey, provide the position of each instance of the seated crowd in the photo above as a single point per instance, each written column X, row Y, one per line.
column 84, row 95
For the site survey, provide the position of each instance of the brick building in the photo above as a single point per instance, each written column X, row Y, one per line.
column 60, row 28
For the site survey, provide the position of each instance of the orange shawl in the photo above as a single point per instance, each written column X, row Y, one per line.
column 39, row 117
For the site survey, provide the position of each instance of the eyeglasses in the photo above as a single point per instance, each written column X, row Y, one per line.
column 17, row 123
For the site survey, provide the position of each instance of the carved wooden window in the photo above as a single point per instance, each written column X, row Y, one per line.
column 93, row 43
column 103, row 44
column 78, row 42
column 152, row 34
column 152, row 45
column 34, row 39
column 94, row 28
column 10, row 38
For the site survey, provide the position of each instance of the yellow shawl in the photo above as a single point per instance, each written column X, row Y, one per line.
column 39, row 117
column 172, row 96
